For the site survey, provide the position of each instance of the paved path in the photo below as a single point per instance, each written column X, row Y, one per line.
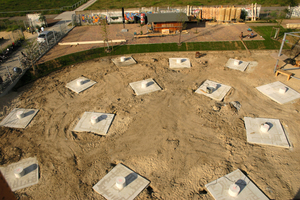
column 86, row 5
column 67, row 16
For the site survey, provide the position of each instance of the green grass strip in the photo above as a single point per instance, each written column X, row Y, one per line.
column 58, row 63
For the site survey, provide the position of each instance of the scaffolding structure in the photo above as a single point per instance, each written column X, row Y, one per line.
column 293, row 34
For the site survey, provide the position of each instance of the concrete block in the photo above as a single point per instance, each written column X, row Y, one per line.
column 112, row 185
column 21, row 174
column 176, row 63
column 94, row 122
column 80, row 84
column 214, row 90
column 144, row 86
column 234, row 185
column 19, row 118
column 124, row 61
column 265, row 131
column 275, row 91
column 237, row 64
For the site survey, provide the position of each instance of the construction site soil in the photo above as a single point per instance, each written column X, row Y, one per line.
column 175, row 138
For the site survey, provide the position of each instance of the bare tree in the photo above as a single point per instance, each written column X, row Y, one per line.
column 104, row 32
column 181, row 19
column 31, row 49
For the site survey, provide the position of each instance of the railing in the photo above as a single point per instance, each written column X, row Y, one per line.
column 34, row 53
column 76, row 5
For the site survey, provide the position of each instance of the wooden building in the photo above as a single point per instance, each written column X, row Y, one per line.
column 166, row 22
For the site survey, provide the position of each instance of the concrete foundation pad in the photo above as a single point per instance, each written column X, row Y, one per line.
column 144, row 86
column 274, row 136
column 134, row 184
column 124, row 61
column 29, row 177
column 100, row 126
column 218, row 90
column 219, row 188
column 237, row 64
column 281, row 57
column 13, row 121
column 272, row 90
column 176, row 63
column 76, row 87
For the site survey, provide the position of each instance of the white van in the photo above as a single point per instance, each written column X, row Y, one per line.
column 46, row 34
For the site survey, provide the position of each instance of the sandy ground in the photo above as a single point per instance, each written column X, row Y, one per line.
column 172, row 137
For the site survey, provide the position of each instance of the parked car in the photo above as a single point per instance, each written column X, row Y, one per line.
column 46, row 34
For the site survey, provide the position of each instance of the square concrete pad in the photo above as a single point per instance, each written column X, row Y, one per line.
column 128, row 61
column 241, row 66
column 12, row 121
column 134, row 184
column 248, row 190
column 151, row 86
column 185, row 63
column 218, row 93
column 272, row 91
column 100, row 128
column 275, row 136
column 87, row 83
column 31, row 176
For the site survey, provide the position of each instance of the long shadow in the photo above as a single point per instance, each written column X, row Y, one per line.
column 53, row 23
column 200, row 24
column 207, row 32
column 3, row 41
column 295, row 45
column 30, row 168
column 130, row 178
column 297, row 196
column 291, row 61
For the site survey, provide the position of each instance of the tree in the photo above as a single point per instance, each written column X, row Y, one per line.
column 104, row 32
column 31, row 49
column 244, row 14
column 43, row 20
column 181, row 19
column 287, row 12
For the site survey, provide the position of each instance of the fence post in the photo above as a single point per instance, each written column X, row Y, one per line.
column 22, row 34
column 20, row 63
column 47, row 41
column 25, row 25
column 9, row 74
column 54, row 36
column 10, row 38
column 60, row 29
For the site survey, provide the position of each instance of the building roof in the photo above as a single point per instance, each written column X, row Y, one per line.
column 166, row 17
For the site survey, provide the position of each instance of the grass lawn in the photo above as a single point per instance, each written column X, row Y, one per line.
column 23, row 5
column 114, row 4
column 58, row 63
column 268, row 43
